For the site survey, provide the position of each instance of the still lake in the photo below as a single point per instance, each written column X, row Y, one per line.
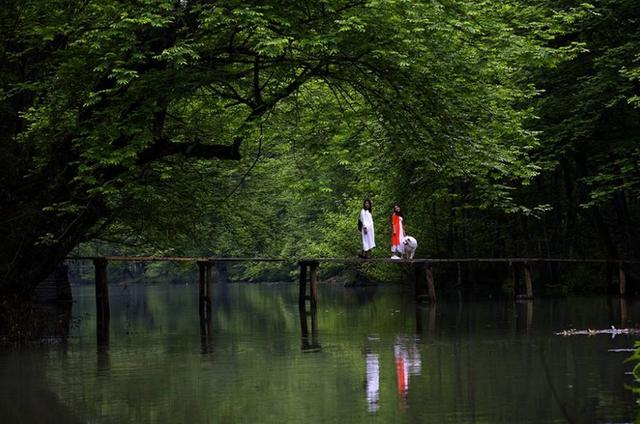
column 376, row 357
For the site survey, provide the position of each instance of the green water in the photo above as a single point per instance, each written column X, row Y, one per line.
column 376, row 358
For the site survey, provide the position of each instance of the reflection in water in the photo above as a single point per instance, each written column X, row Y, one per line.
column 623, row 312
column 206, row 332
column 103, row 362
column 478, row 366
column 309, row 344
column 102, row 330
column 408, row 362
column 61, row 320
column 33, row 404
column 373, row 381
column 553, row 390
column 425, row 312
column 23, row 396
column 524, row 317
column 35, row 321
column 221, row 298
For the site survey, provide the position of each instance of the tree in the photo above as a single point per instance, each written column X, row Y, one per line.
column 589, row 151
column 101, row 98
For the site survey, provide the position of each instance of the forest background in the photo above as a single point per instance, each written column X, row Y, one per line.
column 257, row 128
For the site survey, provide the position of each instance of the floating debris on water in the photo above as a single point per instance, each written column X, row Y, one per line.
column 592, row 332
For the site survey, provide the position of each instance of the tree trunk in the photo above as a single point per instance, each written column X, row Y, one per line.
column 27, row 259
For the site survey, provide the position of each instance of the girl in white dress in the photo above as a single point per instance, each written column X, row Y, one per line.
column 366, row 230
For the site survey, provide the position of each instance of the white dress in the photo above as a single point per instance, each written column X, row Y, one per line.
column 368, row 238
column 373, row 381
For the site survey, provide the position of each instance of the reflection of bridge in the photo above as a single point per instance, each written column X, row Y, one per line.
column 424, row 281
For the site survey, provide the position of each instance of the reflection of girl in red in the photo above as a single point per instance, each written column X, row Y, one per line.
column 397, row 231
column 408, row 362
column 402, row 374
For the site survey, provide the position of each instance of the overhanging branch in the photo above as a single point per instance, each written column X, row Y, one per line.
column 165, row 147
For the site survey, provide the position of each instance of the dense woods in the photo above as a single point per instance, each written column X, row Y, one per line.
column 257, row 128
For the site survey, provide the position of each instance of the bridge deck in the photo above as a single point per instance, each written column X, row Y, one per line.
column 424, row 281
column 349, row 260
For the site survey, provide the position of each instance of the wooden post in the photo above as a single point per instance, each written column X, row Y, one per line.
column 309, row 345
column 102, row 288
column 209, row 288
column 529, row 315
column 431, row 288
column 302, row 307
column 313, row 267
column 528, row 281
column 622, row 280
column 103, row 312
column 424, row 274
column 623, row 312
column 514, row 280
column 202, row 275
column 304, row 327
column 209, row 279
column 303, row 287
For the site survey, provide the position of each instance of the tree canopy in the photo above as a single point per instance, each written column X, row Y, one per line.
column 258, row 127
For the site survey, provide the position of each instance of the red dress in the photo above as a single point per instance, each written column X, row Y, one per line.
column 396, row 221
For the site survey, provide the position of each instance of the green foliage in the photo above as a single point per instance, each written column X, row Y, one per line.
column 635, row 357
column 112, row 112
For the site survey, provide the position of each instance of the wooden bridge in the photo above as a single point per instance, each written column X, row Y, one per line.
column 424, row 282
column 425, row 290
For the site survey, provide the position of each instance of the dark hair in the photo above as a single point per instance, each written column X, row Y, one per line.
column 394, row 211
column 364, row 205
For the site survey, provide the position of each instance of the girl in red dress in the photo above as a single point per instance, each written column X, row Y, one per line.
column 397, row 231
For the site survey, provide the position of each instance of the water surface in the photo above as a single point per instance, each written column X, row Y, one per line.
column 376, row 357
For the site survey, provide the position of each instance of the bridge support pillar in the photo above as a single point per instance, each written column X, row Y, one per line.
column 313, row 279
column 622, row 280
column 528, row 281
column 302, row 288
column 205, row 288
column 425, row 285
column 103, row 313
column 309, row 268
